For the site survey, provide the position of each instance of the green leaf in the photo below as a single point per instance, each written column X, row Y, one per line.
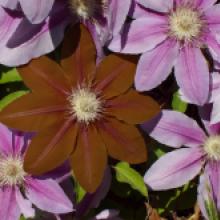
column 11, row 97
column 159, row 152
column 178, row 104
column 10, row 76
column 126, row 174
column 211, row 210
column 80, row 192
column 22, row 218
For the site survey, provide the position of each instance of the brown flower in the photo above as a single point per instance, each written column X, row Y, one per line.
column 81, row 111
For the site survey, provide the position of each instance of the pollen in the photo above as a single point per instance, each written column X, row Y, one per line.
column 85, row 105
column 87, row 9
column 81, row 8
column 212, row 147
column 11, row 171
column 185, row 24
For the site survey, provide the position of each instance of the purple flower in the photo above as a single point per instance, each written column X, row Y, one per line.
column 21, row 41
column 201, row 150
column 35, row 10
column 18, row 189
column 170, row 34
column 115, row 14
column 214, row 98
column 104, row 18
column 20, row 36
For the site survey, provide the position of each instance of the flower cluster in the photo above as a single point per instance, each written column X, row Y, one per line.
column 108, row 61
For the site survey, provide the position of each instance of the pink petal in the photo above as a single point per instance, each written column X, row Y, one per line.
column 12, row 4
column 138, row 11
column 18, row 36
column 213, row 17
column 204, row 194
column 36, row 10
column 215, row 86
column 215, row 115
column 204, row 4
column 21, row 142
column 100, row 39
column 174, row 169
column 212, row 171
column 118, row 14
column 9, row 209
column 154, row 66
column 143, row 34
column 24, row 204
column 213, row 46
column 215, row 128
column 157, row 5
column 5, row 140
column 175, row 129
column 192, row 75
column 12, row 142
column 47, row 195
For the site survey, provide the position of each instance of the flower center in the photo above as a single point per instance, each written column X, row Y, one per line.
column 11, row 171
column 85, row 105
column 185, row 24
column 80, row 8
column 87, row 9
column 212, row 147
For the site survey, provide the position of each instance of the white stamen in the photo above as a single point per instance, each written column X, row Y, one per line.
column 185, row 24
column 85, row 105
column 212, row 147
column 11, row 171
column 80, row 8
column 87, row 9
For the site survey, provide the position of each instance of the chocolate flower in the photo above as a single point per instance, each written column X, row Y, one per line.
column 80, row 111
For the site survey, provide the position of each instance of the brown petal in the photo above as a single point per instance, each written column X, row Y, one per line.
column 31, row 113
column 50, row 148
column 133, row 107
column 89, row 159
column 78, row 54
column 44, row 76
column 115, row 74
column 123, row 141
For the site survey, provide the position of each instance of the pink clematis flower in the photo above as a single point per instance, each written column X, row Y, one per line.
column 171, row 34
column 35, row 10
column 21, row 41
column 106, row 25
column 200, row 150
column 41, row 34
column 18, row 189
